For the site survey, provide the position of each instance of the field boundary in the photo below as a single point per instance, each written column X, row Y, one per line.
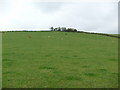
column 99, row 34
column 67, row 31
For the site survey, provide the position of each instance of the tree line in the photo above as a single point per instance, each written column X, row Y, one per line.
column 64, row 29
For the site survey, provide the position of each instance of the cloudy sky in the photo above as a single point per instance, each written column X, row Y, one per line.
column 38, row 15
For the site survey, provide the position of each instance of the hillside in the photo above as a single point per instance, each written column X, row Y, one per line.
column 59, row 60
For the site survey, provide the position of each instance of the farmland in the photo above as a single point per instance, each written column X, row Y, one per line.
column 0, row 60
column 59, row 60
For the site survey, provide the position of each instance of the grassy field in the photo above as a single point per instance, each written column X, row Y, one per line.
column 59, row 60
column 0, row 60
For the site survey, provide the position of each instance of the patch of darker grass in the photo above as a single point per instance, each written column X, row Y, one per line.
column 73, row 78
column 7, row 60
column 81, row 58
column 48, row 55
column 85, row 66
column 10, row 72
column 65, row 33
column 7, row 73
column 65, row 57
column 112, row 59
column 45, row 67
column 74, row 63
column 56, row 72
column 75, row 56
column 9, row 53
column 115, row 73
column 8, row 63
column 90, row 74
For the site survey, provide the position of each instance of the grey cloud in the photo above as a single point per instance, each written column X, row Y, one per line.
column 101, row 17
column 98, row 17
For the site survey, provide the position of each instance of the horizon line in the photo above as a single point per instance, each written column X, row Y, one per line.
column 50, row 30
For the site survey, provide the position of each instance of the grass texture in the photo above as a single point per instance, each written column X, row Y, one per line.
column 59, row 60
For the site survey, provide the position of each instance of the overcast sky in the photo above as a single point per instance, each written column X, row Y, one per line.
column 35, row 15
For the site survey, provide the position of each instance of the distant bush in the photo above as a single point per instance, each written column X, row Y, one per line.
column 71, row 30
column 64, row 29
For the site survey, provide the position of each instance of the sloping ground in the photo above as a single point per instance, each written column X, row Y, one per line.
column 59, row 60
column 118, row 35
column 0, row 60
column 104, row 34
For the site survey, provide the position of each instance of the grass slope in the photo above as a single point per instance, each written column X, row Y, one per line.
column 59, row 60
column 0, row 60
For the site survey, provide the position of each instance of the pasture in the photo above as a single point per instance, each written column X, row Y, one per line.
column 59, row 60
column 0, row 60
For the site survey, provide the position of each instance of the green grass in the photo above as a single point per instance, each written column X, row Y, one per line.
column 59, row 60
column 115, row 34
column 0, row 60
